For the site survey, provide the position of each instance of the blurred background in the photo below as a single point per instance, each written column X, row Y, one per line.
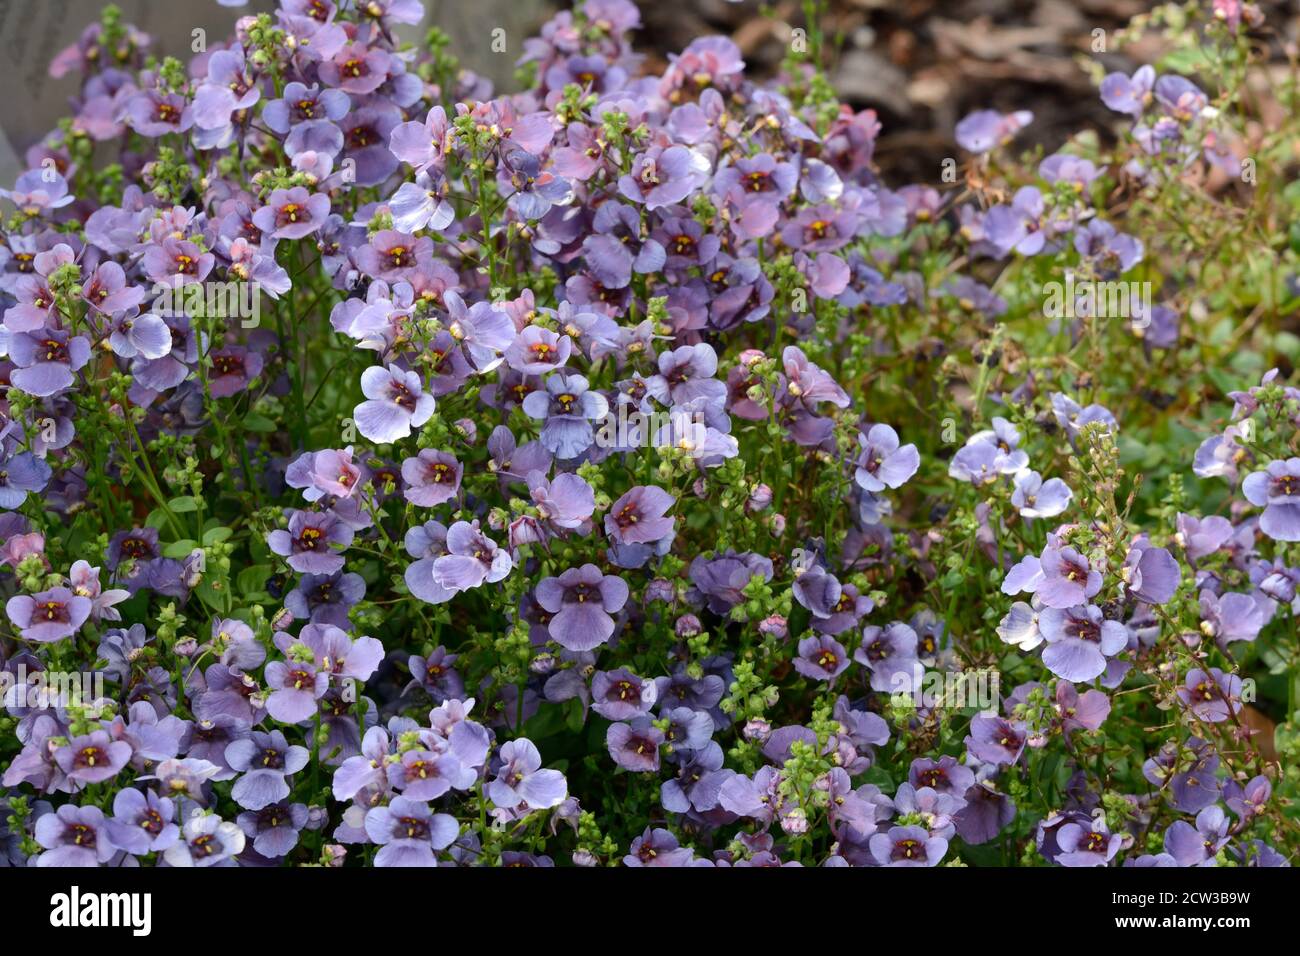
column 921, row 64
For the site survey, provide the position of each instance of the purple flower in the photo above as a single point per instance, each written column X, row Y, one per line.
column 687, row 373
column 821, row 658
column 568, row 409
column 74, row 836
column 306, row 542
column 659, row 848
column 1277, row 491
column 423, row 145
column 22, row 473
column 296, row 685
column 264, row 762
column 1198, row 845
column 985, row 130
column 996, row 740
column 46, row 360
column 1079, row 641
column 638, row 517
column 409, row 833
column 143, row 822
column 396, row 404
column 521, row 781
column 1067, row 579
column 663, row 176
column 537, row 350
column 635, row 745
column 1082, row 845
column 697, row 784
column 206, row 840
column 274, row 829
column 1152, row 574
column 470, row 559
column 582, row 600
column 93, row 757
column 882, row 463
column 292, row 213
column 1040, row 499
column 890, row 654
column 1214, row 696
column 431, row 477
column 907, row 846
column 621, row 695
column 1129, row 95
column 48, row 615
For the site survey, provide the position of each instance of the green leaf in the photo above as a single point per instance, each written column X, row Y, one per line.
column 214, row 535
column 253, row 578
column 258, row 423
column 179, row 549
column 183, row 504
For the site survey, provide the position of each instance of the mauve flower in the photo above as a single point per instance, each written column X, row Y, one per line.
column 46, row 360
column 1198, row 845
column 568, row 408
column 431, row 477
column 1152, row 574
column 520, row 779
column 985, row 130
column 663, row 176
column 1214, row 696
column 638, row 517
column 1037, row 498
column 48, row 615
column 73, row 836
column 274, row 829
column 1277, row 491
column 264, row 762
column 582, row 600
column 907, row 846
column 1201, row 537
column 233, row 368
column 659, row 848
column 296, row 686
column 396, row 403
column 19, row 475
column 821, row 658
column 537, row 350
column 1248, row 800
column 424, row 775
column 697, row 784
column 306, row 542
column 409, row 833
column 1079, row 641
column 423, row 145
column 36, row 191
column 996, row 740
column 635, row 745
column 882, row 463
column 1126, row 94
column 1087, row 845
column 356, row 68
column 206, row 840
column 1067, row 580
column 93, row 758
column 890, row 654
column 304, row 104
column 1231, row 616
column 292, row 213
column 621, row 695
column 470, row 559
column 483, row 329
column 142, row 822
column 976, row 463
column 144, row 335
